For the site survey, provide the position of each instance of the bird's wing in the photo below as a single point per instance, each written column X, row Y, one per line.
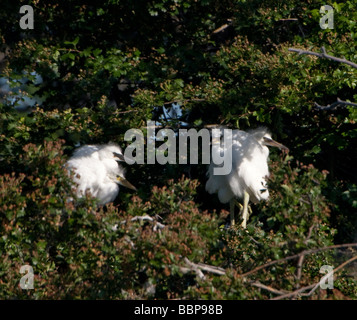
column 89, row 174
column 107, row 192
column 253, row 172
column 219, row 183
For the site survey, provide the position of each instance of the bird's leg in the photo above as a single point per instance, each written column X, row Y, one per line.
column 245, row 209
column 231, row 210
column 249, row 212
column 240, row 206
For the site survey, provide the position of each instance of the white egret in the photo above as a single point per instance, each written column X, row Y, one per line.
column 247, row 179
column 96, row 170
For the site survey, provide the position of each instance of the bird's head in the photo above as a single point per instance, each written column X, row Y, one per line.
column 268, row 141
column 263, row 136
column 116, row 153
column 112, row 151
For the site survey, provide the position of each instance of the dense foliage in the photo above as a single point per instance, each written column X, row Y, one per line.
column 113, row 65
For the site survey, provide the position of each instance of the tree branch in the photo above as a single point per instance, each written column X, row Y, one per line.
column 338, row 103
column 302, row 257
column 304, row 252
column 199, row 267
column 314, row 286
column 157, row 225
column 268, row 288
column 323, row 54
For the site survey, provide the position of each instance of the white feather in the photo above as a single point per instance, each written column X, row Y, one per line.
column 96, row 170
column 249, row 168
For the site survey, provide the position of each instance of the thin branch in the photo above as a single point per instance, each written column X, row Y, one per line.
column 199, row 267
column 302, row 257
column 157, row 225
column 212, row 269
column 294, row 293
column 142, row 218
column 128, row 111
column 315, row 286
column 323, row 54
column 338, row 103
column 223, row 27
column 268, row 288
column 289, row 19
column 192, row 266
column 184, row 101
column 305, row 252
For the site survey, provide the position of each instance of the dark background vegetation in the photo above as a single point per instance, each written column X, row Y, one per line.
column 108, row 66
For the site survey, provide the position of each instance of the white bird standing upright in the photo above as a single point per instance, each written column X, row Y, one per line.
column 96, row 170
column 247, row 179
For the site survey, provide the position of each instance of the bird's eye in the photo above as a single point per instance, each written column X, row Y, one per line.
column 262, row 190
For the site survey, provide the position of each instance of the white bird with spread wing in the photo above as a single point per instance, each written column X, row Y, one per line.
column 96, row 170
column 247, row 179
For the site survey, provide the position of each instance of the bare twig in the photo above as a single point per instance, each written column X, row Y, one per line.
column 184, row 101
column 304, row 252
column 289, row 19
column 294, row 293
column 323, row 54
column 338, row 103
column 142, row 218
column 157, row 225
column 268, row 288
column 128, row 111
column 199, row 267
column 315, row 286
column 302, row 257
column 212, row 269
column 195, row 268
column 223, row 27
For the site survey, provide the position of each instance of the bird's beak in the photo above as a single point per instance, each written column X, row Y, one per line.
column 121, row 157
column 125, row 183
column 273, row 143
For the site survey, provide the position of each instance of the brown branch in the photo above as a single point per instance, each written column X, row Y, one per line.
column 128, row 111
column 192, row 267
column 289, row 19
column 314, row 286
column 223, row 27
column 323, row 54
column 305, row 252
column 268, row 288
column 199, row 267
column 294, row 293
column 184, row 101
column 213, row 269
column 302, row 257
